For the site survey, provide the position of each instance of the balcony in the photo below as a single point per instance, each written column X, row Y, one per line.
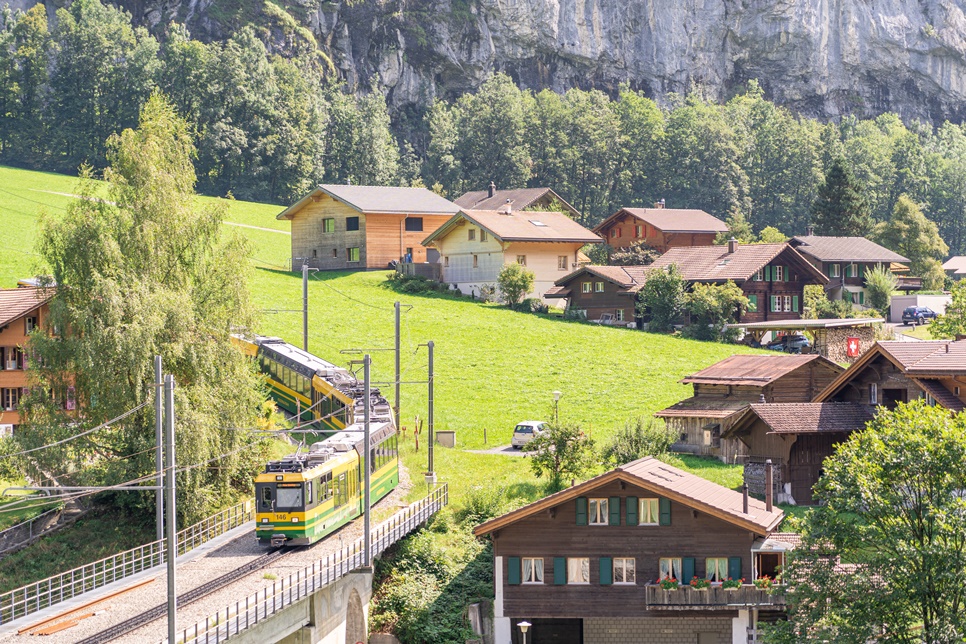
column 714, row 598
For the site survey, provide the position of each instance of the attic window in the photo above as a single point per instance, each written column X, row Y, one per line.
column 536, row 222
column 724, row 262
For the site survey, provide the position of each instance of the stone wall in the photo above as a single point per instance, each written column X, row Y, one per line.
column 755, row 479
column 837, row 339
column 667, row 630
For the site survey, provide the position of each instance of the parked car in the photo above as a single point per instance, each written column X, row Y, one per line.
column 917, row 315
column 526, row 431
column 789, row 344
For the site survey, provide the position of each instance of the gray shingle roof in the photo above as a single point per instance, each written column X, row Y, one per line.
column 813, row 418
column 520, row 198
column 845, row 249
column 380, row 199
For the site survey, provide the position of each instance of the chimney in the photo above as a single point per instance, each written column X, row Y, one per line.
column 492, row 189
column 659, row 204
column 507, row 208
column 732, row 245
column 769, row 485
column 744, row 498
column 761, row 398
column 810, row 231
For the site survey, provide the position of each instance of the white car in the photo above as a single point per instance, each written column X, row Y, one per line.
column 526, row 431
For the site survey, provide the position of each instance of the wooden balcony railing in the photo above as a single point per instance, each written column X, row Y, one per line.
column 714, row 598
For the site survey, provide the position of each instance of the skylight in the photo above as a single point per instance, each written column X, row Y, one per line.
column 536, row 222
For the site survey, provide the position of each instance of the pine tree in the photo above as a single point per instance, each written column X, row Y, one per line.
column 841, row 208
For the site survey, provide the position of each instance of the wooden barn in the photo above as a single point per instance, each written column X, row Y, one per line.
column 597, row 291
column 725, row 389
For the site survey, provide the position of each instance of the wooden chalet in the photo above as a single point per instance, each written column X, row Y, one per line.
column 22, row 310
column 518, row 198
column 596, row 291
column 337, row 227
column 723, row 391
column 660, row 228
column 772, row 276
column 583, row 565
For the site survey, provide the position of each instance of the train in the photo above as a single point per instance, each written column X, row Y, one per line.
column 308, row 387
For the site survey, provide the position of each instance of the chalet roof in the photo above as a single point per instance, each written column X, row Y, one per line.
column 668, row 481
column 716, row 264
column 520, row 226
column 18, row 302
column 379, row 199
column 520, row 198
column 956, row 264
column 809, row 418
column 845, row 249
column 754, row 370
column 629, row 277
column 942, row 395
column 670, row 220
column 703, row 407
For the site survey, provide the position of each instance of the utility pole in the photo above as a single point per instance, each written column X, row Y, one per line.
column 432, row 472
column 305, row 306
column 396, row 399
column 367, row 460
column 159, row 445
column 172, row 550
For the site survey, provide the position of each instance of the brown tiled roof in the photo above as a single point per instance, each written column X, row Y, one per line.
column 716, row 264
column 813, row 418
column 521, row 226
column 520, row 199
column 668, row 481
column 791, row 538
column 18, row 302
column 754, row 370
column 380, row 199
column 845, row 249
column 703, row 407
column 943, row 396
column 628, row 277
column 671, row 220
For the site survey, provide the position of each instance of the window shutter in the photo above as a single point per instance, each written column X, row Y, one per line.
column 513, row 571
column 861, row 270
column 581, row 510
column 559, row 571
column 795, row 303
column 664, row 511
column 631, row 514
column 861, row 297
column 785, row 274
column 606, row 571
column 614, row 510
column 828, row 269
column 687, row 570
column 734, row 567
column 768, row 273
column 753, row 303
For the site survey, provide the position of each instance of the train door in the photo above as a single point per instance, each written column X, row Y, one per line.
column 266, row 498
column 341, row 490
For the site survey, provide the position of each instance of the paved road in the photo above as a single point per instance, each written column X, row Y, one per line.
column 506, row 450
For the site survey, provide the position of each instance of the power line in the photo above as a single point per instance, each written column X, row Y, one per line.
column 12, row 194
column 349, row 297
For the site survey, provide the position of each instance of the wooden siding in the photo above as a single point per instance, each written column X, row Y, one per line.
column 387, row 238
column 548, row 535
column 12, row 336
column 611, row 300
column 690, row 438
column 622, row 232
column 886, row 376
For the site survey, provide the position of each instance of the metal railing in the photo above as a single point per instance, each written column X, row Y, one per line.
column 13, row 533
column 39, row 595
column 716, row 597
column 260, row 606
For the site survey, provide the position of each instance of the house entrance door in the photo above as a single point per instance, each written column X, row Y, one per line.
column 805, row 463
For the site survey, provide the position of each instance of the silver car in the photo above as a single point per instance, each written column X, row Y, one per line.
column 526, row 431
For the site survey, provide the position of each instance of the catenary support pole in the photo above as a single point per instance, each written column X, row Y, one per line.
column 172, row 549
column 159, row 445
column 367, row 460
column 430, row 381
column 305, row 306
column 396, row 399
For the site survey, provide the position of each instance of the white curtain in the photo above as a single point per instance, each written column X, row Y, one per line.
column 578, row 571
column 717, row 569
column 527, row 569
column 671, row 568
column 538, row 570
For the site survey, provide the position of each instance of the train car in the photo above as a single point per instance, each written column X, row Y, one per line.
column 307, row 386
column 308, row 495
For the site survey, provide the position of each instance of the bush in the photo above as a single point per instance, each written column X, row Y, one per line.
column 411, row 284
column 515, row 281
column 880, row 283
column 711, row 307
column 532, row 305
column 661, row 300
column 639, row 438
column 561, row 452
column 637, row 254
column 482, row 503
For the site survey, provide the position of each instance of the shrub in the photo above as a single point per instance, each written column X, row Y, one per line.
column 411, row 284
column 639, row 438
column 880, row 283
column 661, row 300
column 532, row 305
column 711, row 307
column 482, row 503
column 561, row 451
column 638, row 253
column 515, row 281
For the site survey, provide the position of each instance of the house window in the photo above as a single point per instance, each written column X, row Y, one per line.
column 779, row 272
column 716, row 568
column 10, row 398
column 619, row 315
column 613, row 232
column 585, row 287
column 625, row 570
column 335, row 252
column 873, row 394
column 446, row 261
column 476, row 261
column 638, row 231
column 522, row 260
column 352, row 254
column 315, row 253
column 670, row 568
column 482, row 235
column 649, row 509
column 12, row 358
column 758, row 276
column 597, row 511
column 787, row 303
column 834, row 270
column 578, row 570
column 328, row 225
column 414, row 224
column 31, row 322
column 471, row 234
column 351, row 223
column 598, row 287
column 562, row 262
column 775, row 303
column 532, row 570
column 409, row 253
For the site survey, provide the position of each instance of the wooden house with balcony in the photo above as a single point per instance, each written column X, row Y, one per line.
column 660, row 228
column 22, row 311
column 585, row 564
column 597, row 292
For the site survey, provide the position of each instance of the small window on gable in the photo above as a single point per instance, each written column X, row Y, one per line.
column 414, row 224
column 598, row 287
column 779, row 272
column 638, row 231
column 873, row 394
column 483, row 235
column 351, row 223
column 31, row 323
column 758, row 276
column 328, row 225
column 585, row 287
column 471, row 234
column 522, row 260
column 597, row 511
column 648, row 512
column 562, row 262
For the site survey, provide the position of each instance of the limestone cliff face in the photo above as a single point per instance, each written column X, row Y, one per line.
column 820, row 57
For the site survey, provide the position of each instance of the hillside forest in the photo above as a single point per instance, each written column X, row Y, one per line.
column 270, row 119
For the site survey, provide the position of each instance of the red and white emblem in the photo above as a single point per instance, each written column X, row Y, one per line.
column 853, row 347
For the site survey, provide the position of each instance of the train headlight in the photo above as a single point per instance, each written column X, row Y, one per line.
column 295, row 519
column 265, row 520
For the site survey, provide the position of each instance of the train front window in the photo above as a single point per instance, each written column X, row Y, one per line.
column 289, row 497
column 266, row 498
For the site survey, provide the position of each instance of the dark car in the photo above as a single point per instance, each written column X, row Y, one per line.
column 917, row 315
column 789, row 344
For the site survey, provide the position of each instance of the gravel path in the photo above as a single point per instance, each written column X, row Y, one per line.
column 199, row 571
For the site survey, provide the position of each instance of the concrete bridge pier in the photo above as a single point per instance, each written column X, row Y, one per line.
column 336, row 614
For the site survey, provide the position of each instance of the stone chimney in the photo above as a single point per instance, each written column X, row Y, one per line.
column 769, row 485
column 810, row 231
column 492, row 189
column 732, row 245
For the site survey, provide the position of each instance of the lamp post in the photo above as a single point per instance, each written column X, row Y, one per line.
column 525, row 625
column 556, row 415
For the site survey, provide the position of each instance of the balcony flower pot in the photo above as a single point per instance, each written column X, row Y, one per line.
column 731, row 585
column 669, row 583
column 698, row 583
column 764, row 583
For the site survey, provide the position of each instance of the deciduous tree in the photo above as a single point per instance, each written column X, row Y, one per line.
column 662, row 299
column 952, row 323
column 880, row 283
column 711, row 307
column 560, row 452
column 515, row 281
column 910, row 234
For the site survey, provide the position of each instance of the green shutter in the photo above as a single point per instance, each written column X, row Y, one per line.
column 632, row 503
column 581, row 510
column 795, row 303
column 861, row 297
column 785, row 274
column 848, row 270
column 734, row 567
column 606, row 571
column 513, row 571
column 614, row 510
column 752, row 303
column 768, row 273
column 687, row 570
column 559, row 571
column 664, row 511
column 828, row 269
column 862, row 270
column 772, row 303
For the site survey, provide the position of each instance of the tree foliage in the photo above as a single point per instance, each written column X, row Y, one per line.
column 515, row 281
column 952, row 323
column 711, row 307
column 140, row 274
column 910, row 234
column 638, row 253
column 560, row 452
column 881, row 284
column 841, row 208
column 637, row 439
column 662, row 299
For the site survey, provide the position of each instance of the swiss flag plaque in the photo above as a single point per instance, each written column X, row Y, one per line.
column 853, row 347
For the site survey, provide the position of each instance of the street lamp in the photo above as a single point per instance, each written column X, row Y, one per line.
column 525, row 625
column 556, row 415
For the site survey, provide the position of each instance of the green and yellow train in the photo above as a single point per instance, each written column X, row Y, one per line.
column 306, row 496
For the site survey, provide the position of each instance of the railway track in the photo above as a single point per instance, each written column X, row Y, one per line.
column 123, row 628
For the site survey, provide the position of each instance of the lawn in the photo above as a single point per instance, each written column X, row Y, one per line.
column 921, row 332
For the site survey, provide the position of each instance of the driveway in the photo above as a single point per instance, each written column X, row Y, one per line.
column 506, row 450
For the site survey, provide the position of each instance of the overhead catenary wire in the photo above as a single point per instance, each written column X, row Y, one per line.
column 46, row 205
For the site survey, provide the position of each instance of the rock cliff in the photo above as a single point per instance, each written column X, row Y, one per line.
column 820, row 57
